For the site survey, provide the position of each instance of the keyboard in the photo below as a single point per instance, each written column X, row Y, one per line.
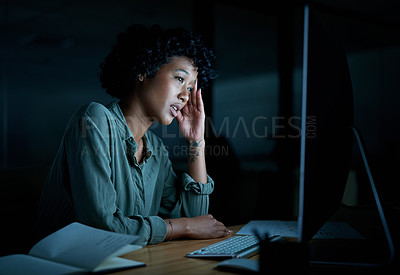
column 238, row 246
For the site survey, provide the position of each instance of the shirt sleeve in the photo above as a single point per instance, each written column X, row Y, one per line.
column 184, row 197
column 195, row 195
column 94, row 197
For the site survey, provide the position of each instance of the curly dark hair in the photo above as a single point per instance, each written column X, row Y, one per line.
column 143, row 50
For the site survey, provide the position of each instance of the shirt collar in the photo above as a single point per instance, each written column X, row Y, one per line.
column 120, row 120
column 124, row 130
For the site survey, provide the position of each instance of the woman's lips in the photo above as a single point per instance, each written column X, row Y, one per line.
column 175, row 109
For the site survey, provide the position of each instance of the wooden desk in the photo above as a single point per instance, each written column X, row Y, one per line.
column 169, row 257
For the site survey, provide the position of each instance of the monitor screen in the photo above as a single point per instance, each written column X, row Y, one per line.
column 326, row 120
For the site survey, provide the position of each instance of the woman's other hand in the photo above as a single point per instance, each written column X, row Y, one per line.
column 206, row 227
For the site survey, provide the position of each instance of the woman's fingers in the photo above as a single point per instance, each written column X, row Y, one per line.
column 193, row 97
column 222, row 231
column 200, row 104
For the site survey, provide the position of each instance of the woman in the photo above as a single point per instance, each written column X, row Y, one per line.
column 111, row 172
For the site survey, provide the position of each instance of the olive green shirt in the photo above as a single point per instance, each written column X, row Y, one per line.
column 96, row 180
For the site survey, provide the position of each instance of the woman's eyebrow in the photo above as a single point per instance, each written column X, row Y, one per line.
column 182, row 70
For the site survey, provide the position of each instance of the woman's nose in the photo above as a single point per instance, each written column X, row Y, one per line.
column 184, row 95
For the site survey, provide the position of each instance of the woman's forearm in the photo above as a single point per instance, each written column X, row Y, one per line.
column 196, row 161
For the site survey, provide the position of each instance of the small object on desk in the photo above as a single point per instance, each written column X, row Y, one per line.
column 330, row 230
column 239, row 265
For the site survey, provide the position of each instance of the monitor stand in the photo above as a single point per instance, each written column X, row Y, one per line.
column 360, row 142
column 291, row 256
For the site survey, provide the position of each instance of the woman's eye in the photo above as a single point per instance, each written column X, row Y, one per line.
column 190, row 90
column 180, row 79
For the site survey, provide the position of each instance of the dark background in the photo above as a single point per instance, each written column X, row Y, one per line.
column 50, row 56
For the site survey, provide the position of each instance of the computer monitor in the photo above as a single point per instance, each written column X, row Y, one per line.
column 327, row 132
column 326, row 121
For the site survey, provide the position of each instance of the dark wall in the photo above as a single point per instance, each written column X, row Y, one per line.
column 51, row 51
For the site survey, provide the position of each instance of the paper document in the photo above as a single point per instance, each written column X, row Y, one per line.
column 74, row 248
column 330, row 230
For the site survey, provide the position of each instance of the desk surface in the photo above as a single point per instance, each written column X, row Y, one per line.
column 169, row 257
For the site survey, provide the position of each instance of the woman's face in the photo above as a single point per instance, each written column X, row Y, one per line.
column 168, row 91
